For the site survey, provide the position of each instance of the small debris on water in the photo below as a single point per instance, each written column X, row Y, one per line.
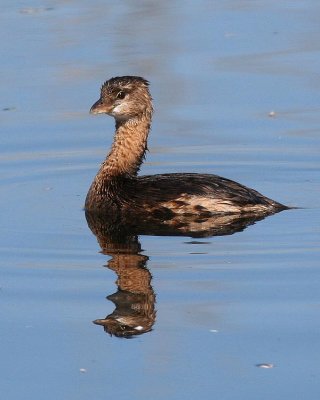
column 214, row 330
column 272, row 114
column 83, row 370
column 229, row 34
column 8, row 109
column 35, row 10
column 265, row 365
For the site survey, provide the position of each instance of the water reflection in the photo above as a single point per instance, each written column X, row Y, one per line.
column 134, row 300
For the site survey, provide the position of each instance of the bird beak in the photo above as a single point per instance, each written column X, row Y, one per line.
column 98, row 108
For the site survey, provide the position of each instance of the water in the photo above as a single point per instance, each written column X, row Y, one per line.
column 224, row 304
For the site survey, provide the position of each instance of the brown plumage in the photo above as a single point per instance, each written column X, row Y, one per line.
column 118, row 188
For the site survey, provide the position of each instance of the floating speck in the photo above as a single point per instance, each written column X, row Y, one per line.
column 83, row 370
column 265, row 365
column 8, row 109
column 272, row 114
column 214, row 330
column 35, row 10
column 229, row 34
column 197, row 242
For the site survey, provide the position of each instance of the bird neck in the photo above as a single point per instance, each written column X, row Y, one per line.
column 128, row 148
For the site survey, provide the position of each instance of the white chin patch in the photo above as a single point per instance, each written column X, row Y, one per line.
column 118, row 113
column 117, row 110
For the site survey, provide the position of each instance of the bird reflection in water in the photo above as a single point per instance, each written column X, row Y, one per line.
column 134, row 312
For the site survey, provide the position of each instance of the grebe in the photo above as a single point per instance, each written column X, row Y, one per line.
column 117, row 188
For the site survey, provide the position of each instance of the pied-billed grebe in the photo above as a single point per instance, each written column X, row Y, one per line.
column 118, row 188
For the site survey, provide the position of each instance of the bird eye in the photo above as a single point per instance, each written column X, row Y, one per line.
column 121, row 95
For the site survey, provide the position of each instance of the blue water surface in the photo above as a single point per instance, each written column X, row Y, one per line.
column 236, row 91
